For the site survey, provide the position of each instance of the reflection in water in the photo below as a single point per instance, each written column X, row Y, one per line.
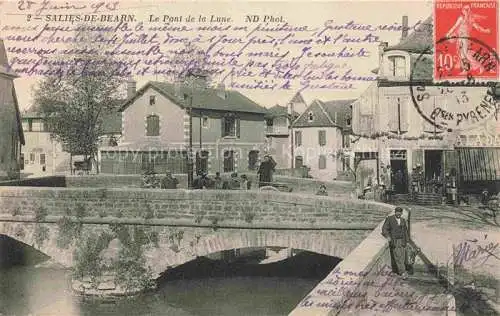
column 218, row 289
column 42, row 291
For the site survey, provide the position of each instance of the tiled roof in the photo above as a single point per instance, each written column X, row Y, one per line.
column 4, row 62
column 208, row 98
column 278, row 110
column 342, row 108
column 419, row 40
column 324, row 114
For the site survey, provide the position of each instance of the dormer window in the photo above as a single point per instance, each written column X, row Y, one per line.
column 152, row 100
column 397, row 66
column 310, row 116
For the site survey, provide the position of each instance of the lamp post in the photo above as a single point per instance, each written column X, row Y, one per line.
column 190, row 160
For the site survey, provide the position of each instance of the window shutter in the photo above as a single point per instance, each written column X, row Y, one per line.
column 404, row 114
column 223, row 126
column 298, row 138
column 393, row 114
column 322, row 162
column 237, row 127
column 322, row 138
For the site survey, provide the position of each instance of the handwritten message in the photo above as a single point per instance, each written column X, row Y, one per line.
column 476, row 252
column 380, row 291
column 244, row 52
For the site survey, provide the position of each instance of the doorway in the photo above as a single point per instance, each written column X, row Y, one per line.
column 399, row 171
column 433, row 164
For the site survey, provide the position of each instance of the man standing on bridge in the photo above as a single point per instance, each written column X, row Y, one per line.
column 395, row 230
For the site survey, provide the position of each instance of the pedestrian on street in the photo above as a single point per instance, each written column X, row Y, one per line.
column 234, row 183
column 169, row 182
column 218, row 182
column 322, row 190
column 266, row 170
column 245, row 183
column 395, row 230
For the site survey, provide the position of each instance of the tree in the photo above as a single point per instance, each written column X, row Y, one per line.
column 76, row 99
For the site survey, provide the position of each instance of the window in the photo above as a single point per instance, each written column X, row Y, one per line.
column 204, row 122
column 269, row 122
column 152, row 100
column 397, row 66
column 348, row 122
column 42, row 159
column 32, row 157
column 228, row 161
column 322, row 138
column 310, row 116
column 298, row 138
column 152, row 125
column 230, row 126
column 22, row 162
column 322, row 162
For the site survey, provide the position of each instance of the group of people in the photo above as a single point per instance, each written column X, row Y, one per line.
column 203, row 181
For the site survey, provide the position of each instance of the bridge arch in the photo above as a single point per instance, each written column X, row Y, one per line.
column 169, row 255
column 26, row 233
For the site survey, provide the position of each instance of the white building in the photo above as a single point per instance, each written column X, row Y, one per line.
column 318, row 133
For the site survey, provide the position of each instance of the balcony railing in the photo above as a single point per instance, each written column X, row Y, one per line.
column 277, row 130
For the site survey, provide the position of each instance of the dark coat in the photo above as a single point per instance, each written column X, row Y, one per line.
column 394, row 231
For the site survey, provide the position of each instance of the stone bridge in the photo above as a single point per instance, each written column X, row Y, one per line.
column 90, row 230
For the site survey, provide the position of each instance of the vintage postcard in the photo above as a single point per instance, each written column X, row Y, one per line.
column 257, row 158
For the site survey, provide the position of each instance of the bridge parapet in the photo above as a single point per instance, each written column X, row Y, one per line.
column 200, row 207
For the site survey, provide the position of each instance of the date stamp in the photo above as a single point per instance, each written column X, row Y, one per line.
column 466, row 37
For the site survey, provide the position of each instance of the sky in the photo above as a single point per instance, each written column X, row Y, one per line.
column 312, row 14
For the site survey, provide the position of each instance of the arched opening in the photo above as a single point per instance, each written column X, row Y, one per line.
column 16, row 253
column 254, row 262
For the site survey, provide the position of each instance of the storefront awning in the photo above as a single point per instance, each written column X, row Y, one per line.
column 479, row 164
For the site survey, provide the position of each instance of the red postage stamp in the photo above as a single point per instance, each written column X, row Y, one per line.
column 466, row 40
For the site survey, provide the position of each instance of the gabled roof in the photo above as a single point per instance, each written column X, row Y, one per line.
column 340, row 107
column 5, row 72
column 421, row 39
column 324, row 114
column 207, row 99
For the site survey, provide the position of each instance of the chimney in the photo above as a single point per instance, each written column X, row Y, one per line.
column 404, row 23
column 221, row 91
column 131, row 88
column 381, row 48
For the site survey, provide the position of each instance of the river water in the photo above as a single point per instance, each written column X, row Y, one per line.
column 41, row 291
column 203, row 287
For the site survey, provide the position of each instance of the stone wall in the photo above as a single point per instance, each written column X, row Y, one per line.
column 353, row 274
column 196, row 208
column 188, row 223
